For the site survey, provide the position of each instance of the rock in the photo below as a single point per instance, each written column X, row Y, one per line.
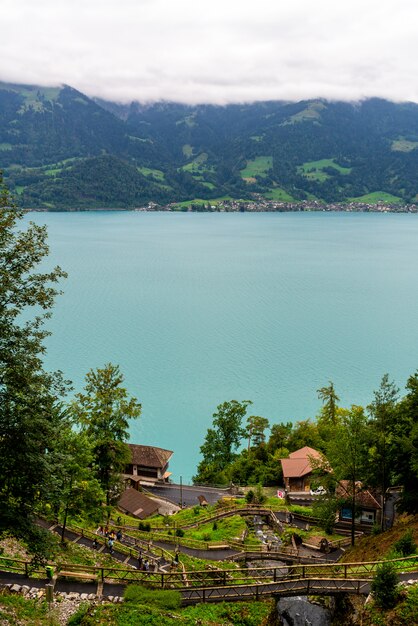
column 84, row 596
column 72, row 595
column 25, row 589
column 15, row 588
column 299, row 612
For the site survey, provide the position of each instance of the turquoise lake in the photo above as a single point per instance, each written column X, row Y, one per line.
column 202, row 308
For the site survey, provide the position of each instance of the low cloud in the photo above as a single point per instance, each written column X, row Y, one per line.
column 215, row 51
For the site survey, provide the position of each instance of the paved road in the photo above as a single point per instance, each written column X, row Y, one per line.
column 188, row 494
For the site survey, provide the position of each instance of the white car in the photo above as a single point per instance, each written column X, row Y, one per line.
column 319, row 491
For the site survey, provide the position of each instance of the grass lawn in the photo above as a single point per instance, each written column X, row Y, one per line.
column 158, row 609
column 313, row 170
column 226, row 529
column 257, row 167
column 200, row 201
column 376, row 197
column 196, row 164
column 147, row 171
column 187, row 150
column 403, row 145
column 312, row 112
column 276, row 193
column 16, row 609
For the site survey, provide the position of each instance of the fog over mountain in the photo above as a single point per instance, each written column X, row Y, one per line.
column 60, row 149
column 214, row 51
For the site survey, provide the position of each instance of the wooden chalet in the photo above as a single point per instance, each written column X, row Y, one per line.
column 148, row 466
column 298, row 468
column 368, row 509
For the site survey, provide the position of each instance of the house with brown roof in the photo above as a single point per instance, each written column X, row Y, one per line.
column 298, row 468
column 367, row 508
column 148, row 466
column 137, row 504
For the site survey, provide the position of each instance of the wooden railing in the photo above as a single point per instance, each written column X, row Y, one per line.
column 218, row 577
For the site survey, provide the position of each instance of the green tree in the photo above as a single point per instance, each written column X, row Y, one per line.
column 279, row 436
column 255, row 430
column 75, row 489
column 404, row 456
column 385, row 585
column 103, row 413
column 348, row 453
column 383, row 412
column 29, row 419
column 221, row 442
column 330, row 404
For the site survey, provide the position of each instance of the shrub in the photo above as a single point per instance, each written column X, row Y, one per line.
column 179, row 532
column 164, row 599
column 215, row 525
column 250, row 496
column 325, row 510
column 406, row 544
column 145, row 526
column 206, row 537
column 385, row 585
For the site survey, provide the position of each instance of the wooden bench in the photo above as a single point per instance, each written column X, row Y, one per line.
column 85, row 575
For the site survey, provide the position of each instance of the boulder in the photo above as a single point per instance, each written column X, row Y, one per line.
column 299, row 612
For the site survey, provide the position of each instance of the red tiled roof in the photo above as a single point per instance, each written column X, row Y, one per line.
column 299, row 462
column 149, row 456
column 304, row 453
column 363, row 497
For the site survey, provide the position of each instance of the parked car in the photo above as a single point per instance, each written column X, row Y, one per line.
column 319, row 491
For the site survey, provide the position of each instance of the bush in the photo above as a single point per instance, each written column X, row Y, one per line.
column 145, row 526
column 406, row 544
column 325, row 510
column 385, row 585
column 179, row 532
column 250, row 496
column 164, row 599
column 206, row 537
column 215, row 525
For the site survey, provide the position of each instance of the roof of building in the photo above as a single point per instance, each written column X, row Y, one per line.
column 299, row 462
column 363, row 497
column 149, row 456
column 137, row 504
column 304, row 453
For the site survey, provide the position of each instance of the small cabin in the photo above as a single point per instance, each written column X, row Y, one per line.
column 148, row 466
column 368, row 510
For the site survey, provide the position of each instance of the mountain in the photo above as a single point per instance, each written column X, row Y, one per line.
column 60, row 149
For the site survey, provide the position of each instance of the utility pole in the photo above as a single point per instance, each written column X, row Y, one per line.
column 181, row 492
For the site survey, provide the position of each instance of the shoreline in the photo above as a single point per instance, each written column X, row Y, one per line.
column 256, row 205
column 405, row 209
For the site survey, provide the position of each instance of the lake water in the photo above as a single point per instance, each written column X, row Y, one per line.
column 202, row 308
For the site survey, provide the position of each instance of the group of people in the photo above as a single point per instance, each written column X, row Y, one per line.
column 143, row 564
column 111, row 537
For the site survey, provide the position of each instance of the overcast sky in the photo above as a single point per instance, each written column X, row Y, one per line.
column 214, row 50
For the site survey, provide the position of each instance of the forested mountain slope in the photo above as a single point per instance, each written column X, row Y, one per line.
column 61, row 149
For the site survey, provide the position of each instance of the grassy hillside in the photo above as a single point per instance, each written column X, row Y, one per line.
column 171, row 152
